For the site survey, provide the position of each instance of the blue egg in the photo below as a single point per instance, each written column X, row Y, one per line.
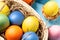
column 42, row 1
column 30, row 36
column 16, row 17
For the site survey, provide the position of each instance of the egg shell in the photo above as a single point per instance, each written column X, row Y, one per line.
column 42, row 1
column 28, row 1
column 50, row 8
column 13, row 32
column 4, row 9
column 30, row 36
column 4, row 22
column 31, row 23
column 16, row 17
column 54, row 32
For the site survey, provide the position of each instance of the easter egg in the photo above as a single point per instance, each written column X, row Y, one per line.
column 1, row 38
column 16, row 17
column 42, row 1
column 4, row 22
column 30, row 36
column 14, row 32
column 4, row 9
column 50, row 8
column 54, row 32
column 31, row 23
column 28, row 1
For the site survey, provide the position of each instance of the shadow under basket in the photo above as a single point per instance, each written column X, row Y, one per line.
column 27, row 10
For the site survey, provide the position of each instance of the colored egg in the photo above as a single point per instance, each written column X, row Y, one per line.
column 1, row 38
column 28, row 1
column 31, row 23
column 30, row 36
column 14, row 32
column 50, row 8
column 4, row 9
column 42, row 1
column 4, row 22
column 54, row 32
column 16, row 17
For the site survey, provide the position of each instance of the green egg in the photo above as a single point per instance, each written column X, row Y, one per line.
column 4, row 22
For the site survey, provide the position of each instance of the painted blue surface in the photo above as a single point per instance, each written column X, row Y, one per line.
column 38, row 8
column 42, row 1
column 30, row 36
column 16, row 17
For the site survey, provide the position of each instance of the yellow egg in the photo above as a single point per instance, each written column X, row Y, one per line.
column 31, row 23
column 4, row 9
column 50, row 8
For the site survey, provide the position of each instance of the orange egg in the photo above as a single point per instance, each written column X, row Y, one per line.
column 14, row 32
column 28, row 1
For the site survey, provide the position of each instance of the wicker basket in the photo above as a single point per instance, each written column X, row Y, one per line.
column 28, row 11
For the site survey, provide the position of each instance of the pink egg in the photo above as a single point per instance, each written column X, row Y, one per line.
column 54, row 32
